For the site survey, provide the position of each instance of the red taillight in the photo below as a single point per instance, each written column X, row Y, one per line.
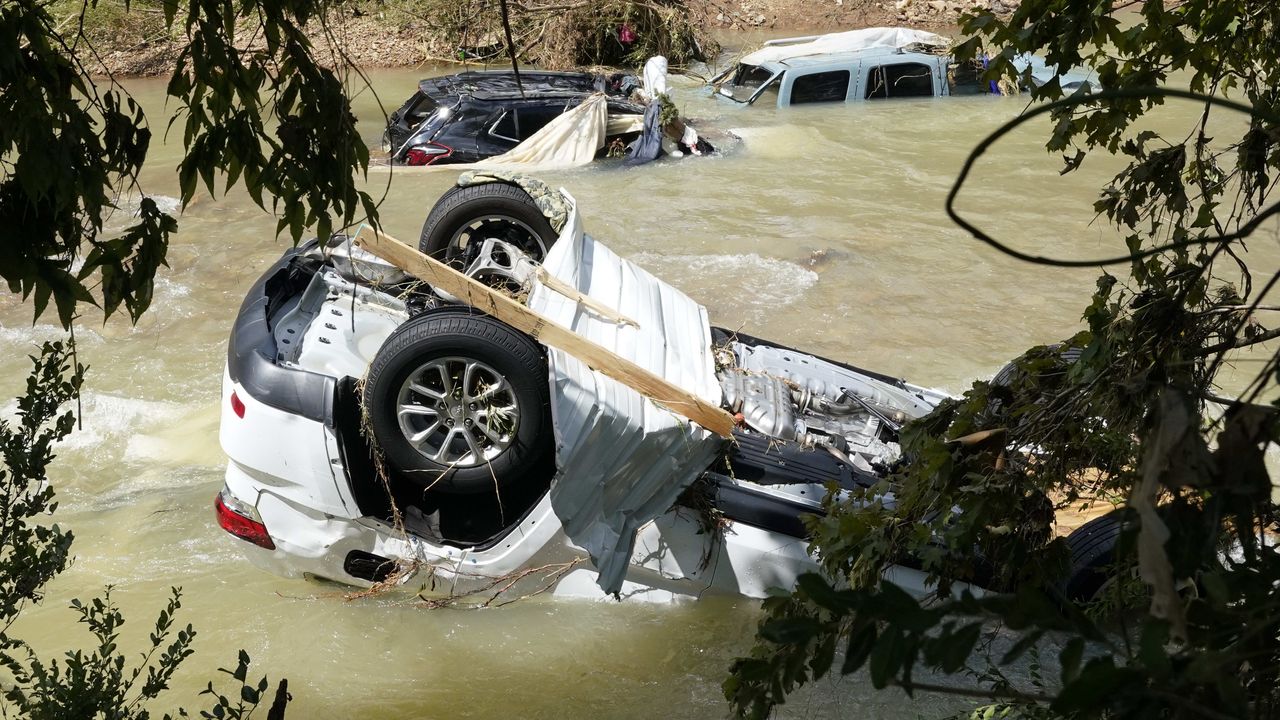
column 237, row 405
column 241, row 526
column 427, row 154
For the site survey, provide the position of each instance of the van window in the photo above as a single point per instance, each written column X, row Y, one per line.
column 751, row 82
column 750, row 76
column 518, row 124
column 901, row 80
column 820, row 87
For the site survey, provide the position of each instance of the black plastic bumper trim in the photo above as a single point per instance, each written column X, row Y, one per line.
column 740, row 503
column 251, row 352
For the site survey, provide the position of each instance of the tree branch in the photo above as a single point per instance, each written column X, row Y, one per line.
column 975, row 692
column 511, row 43
column 1238, row 343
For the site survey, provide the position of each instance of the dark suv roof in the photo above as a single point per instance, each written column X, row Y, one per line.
column 501, row 84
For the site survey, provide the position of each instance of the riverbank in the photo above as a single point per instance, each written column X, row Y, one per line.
column 400, row 33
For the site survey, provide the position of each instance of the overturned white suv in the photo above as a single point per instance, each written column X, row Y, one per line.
column 379, row 430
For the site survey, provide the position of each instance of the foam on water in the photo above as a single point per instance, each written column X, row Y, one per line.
column 24, row 338
column 116, row 429
column 760, row 283
column 129, row 207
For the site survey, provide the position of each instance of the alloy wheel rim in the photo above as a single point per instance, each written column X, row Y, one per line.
column 457, row 411
column 496, row 227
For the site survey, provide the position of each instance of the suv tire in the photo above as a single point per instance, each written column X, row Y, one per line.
column 1093, row 555
column 460, row 404
column 488, row 210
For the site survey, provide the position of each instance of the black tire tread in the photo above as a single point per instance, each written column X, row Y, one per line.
column 455, row 322
column 458, row 197
column 1093, row 547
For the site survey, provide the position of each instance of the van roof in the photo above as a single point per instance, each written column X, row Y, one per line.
column 845, row 45
column 845, row 60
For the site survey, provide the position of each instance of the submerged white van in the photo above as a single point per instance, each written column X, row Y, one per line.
column 870, row 64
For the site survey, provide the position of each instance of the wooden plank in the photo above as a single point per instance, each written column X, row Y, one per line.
column 502, row 307
column 554, row 283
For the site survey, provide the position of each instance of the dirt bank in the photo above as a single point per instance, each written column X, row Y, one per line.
column 831, row 15
column 386, row 34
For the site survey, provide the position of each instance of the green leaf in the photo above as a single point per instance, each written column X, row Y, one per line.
column 242, row 667
column 790, row 631
column 1026, row 642
column 887, row 657
column 1070, row 658
column 861, row 641
column 817, row 589
column 957, row 647
column 823, row 656
column 1096, row 687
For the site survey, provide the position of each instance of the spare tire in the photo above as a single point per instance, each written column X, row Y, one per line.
column 1003, row 382
column 459, row 403
column 466, row 215
column 1067, row 356
column 1093, row 548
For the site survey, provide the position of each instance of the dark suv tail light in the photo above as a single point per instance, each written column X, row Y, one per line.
column 427, row 154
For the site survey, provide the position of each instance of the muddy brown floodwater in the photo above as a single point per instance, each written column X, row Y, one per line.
column 824, row 229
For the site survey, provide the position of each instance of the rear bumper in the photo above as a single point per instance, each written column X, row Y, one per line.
column 307, row 543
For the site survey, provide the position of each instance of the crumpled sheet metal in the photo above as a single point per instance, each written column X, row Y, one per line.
column 553, row 205
column 622, row 459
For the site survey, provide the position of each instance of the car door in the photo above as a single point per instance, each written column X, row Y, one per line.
column 465, row 124
column 895, row 80
column 515, row 123
column 819, row 86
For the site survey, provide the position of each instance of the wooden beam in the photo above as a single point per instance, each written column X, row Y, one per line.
column 554, row 283
column 542, row 329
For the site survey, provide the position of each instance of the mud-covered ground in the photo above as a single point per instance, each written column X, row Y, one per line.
column 136, row 46
column 831, row 15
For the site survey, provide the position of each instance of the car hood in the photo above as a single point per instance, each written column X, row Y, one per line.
column 622, row 459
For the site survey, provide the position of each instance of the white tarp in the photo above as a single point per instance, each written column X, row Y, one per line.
column 567, row 141
column 622, row 459
column 851, row 41
column 655, row 77
column 623, row 123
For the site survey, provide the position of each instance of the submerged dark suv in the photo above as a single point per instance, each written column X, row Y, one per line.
column 475, row 115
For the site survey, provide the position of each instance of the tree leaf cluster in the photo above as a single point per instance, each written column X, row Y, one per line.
column 33, row 552
column 98, row 681
column 253, row 105
column 67, row 150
